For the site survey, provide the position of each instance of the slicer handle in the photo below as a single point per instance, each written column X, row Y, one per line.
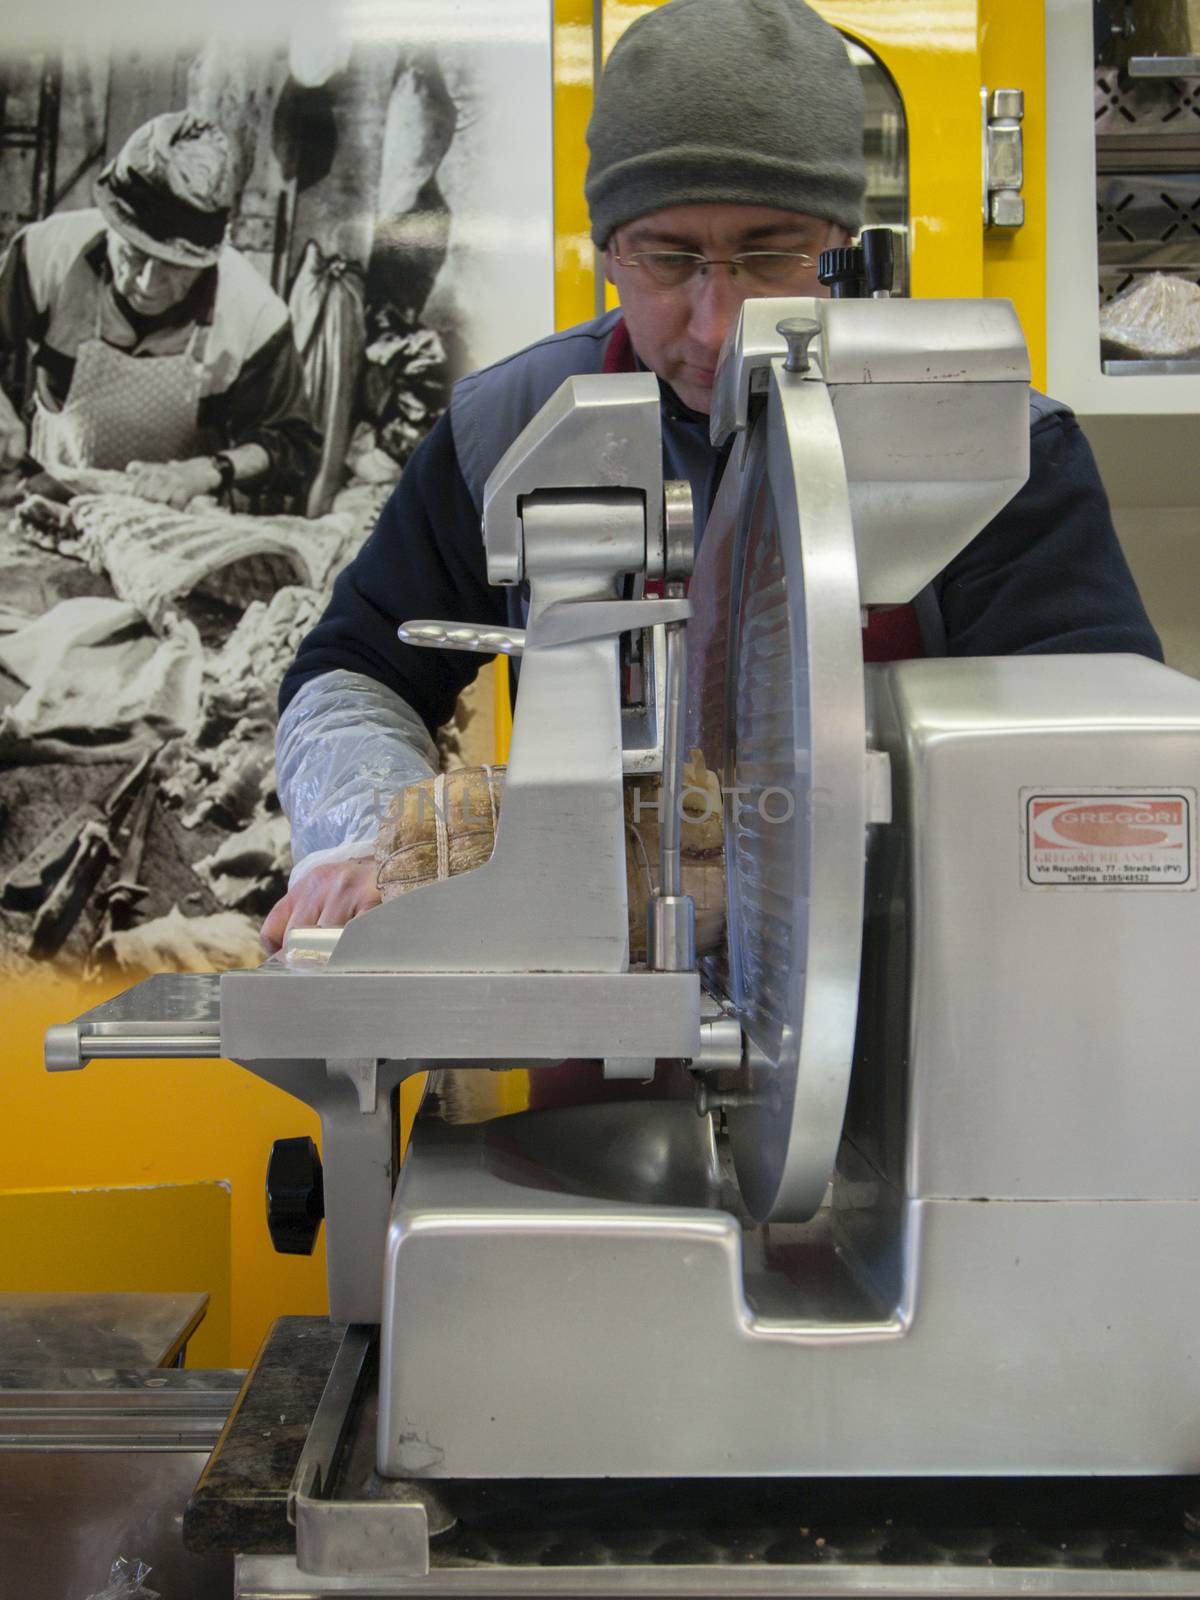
column 879, row 262
column 462, row 636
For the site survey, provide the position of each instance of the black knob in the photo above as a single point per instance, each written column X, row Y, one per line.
column 841, row 271
column 295, row 1196
column 879, row 263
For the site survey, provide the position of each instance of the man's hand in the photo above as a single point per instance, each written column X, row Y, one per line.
column 326, row 897
column 173, row 483
column 14, row 441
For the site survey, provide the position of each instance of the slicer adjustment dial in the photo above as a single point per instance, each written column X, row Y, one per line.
column 295, row 1196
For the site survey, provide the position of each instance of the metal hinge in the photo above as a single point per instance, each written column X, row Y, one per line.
column 1003, row 158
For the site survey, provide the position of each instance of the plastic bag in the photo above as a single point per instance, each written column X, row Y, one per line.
column 345, row 744
column 1158, row 317
column 127, row 1581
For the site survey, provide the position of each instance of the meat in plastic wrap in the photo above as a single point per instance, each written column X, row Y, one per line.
column 1156, row 318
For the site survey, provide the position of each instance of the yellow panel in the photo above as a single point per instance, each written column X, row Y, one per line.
column 120, row 1124
column 1013, row 45
column 148, row 1123
column 169, row 1239
column 931, row 51
column 574, row 258
column 503, row 713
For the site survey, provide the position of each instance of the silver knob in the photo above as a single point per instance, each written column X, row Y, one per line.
column 799, row 333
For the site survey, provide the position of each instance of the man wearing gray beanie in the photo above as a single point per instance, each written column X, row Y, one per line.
column 691, row 155
column 725, row 154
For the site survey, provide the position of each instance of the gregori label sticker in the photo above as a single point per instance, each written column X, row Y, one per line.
column 1109, row 839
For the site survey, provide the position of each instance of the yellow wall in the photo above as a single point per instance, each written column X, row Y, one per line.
column 1012, row 37
column 172, row 1238
column 125, row 1125
column 574, row 258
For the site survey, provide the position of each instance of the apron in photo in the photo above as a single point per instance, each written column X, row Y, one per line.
column 122, row 408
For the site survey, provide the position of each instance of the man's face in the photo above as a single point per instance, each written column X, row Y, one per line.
column 148, row 284
column 678, row 332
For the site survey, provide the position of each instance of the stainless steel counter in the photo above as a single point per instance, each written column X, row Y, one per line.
column 101, row 1443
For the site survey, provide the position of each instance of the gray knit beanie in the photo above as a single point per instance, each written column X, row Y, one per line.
column 746, row 102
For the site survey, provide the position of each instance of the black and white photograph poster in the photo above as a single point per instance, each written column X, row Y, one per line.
column 242, row 261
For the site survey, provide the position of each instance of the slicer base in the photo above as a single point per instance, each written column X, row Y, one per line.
column 534, row 1330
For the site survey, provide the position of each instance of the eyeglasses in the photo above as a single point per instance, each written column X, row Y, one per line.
column 766, row 269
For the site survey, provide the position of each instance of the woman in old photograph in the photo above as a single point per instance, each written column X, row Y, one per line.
column 157, row 349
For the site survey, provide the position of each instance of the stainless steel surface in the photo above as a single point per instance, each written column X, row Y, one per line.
column 679, row 531
column 962, row 373
column 95, row 1466
column 552, row 896
column 271, row 1013
column 932, row 1337
column 572, row 620
column 1180, row 256
column 671, row 933
column 671, row 812
column 1174, row 154
column 1163, row 67
column 400, row 1021
column 1146, row 368
column 104, row 1407
column 1080, row 1004
column 276, row 1578
column 931, row 460
column 722, row 1046
column 1003, row 158
column 96, row 1330
column 153, row 1047
column 327, row 1433
column 788, row 735
column 740, row 384
column 879, row 787
column 934, row 342
column 458, row 636
column 637, row 1069
column 798, row 333
column 164, row 1010
column 358, row 1530
column 1007, row 210
column 710, row 1099
column 603, row 426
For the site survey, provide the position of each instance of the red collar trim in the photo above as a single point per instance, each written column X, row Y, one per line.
column 618, row 352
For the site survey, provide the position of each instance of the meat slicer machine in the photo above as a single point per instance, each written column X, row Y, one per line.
column 942, row 1186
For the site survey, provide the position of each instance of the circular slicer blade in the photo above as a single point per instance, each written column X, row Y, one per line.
column 777, row 706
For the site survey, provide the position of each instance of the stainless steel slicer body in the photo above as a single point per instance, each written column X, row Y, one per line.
column 943, row 1187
